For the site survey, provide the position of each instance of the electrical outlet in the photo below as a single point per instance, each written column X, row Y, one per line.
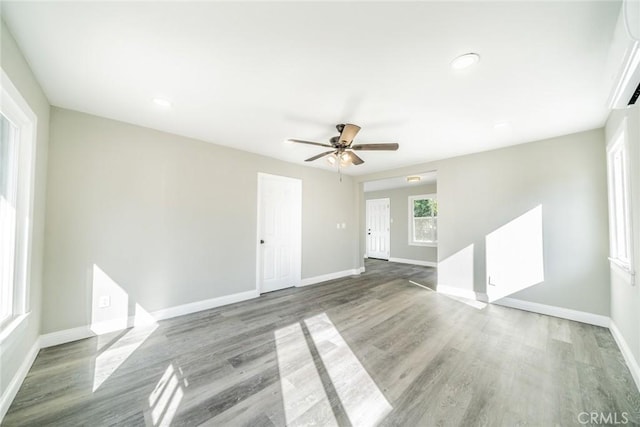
column 104, row 301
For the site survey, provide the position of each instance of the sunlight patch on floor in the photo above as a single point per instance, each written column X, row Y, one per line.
column 361, row 398
column 303, row 395
column 165, row 399
column 115, row 355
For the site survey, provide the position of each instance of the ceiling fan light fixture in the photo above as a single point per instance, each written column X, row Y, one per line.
column 465, row 61
column 332, row 159
column 414, row 178
column 345, row 157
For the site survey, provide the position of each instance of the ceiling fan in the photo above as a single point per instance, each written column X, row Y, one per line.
column 342, row 150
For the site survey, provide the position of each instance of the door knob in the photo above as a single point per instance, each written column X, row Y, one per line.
column 261, row 242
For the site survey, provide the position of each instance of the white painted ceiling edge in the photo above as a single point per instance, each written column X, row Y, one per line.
column 250, row 75
column 400, row 182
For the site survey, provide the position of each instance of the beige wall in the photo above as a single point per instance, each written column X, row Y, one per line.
column 479, row 193
column 169, row 219
column 399, row 232
column 15, row 349
column 625, row 298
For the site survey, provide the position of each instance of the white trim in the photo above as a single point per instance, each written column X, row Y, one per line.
column 424, row 244
column 632, row 363
column 65, row 336
column 414, row 262
column 411, row 242
column 17, row 110
column 82, row 332
column 16, row 382
column 619, row 143
column 624, row 269
column 422, row 286
column 361, row 270
column 194, row 307
column 456, row 292
column 550, row 310
column 12, row 331
column 330, row 276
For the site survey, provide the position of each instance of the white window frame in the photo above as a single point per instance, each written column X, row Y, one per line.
column 412, row 242
column 14, row 107
column 620, row 223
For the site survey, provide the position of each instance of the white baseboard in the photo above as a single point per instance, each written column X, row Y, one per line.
column 65, row 336
column 550, row 310
column 331, row 276
column 632, row 363
column 414, row 262
column 74, row 334
column 456, row 292
column 13, row 387
column 193, row 307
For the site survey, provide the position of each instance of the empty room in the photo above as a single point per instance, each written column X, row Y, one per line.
column 232, row 213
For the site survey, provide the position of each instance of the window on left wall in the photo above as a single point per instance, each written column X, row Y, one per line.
column 17, row 149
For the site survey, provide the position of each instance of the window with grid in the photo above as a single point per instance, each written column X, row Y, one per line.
column 423, row 220
column 17, row 149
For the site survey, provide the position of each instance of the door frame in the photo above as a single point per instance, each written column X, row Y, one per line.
column 296, row 231
column 366, row 225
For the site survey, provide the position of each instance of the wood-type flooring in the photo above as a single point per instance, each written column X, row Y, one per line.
column 374, row 349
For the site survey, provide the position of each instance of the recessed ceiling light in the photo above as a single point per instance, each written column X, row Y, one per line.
column 465, row 61
column 414, row 178
column 161, row 102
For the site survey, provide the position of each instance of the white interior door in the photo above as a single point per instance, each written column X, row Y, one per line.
column 279, row 232
column 378, row 228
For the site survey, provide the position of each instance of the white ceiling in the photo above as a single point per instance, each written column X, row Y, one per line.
column 400, row 182
column 250, row 75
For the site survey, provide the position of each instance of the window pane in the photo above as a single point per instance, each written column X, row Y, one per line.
column 425, row 207
column 8, row 187
column 424, row 229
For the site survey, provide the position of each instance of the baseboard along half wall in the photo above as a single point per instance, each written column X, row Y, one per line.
column 414, row 262
column 458, row 292
column 550, row 310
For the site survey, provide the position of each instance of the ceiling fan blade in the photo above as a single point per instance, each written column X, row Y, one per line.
column 309, row 142
column 355, row 159
column 348, row 133
column 379, row 147
column 311, row 159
